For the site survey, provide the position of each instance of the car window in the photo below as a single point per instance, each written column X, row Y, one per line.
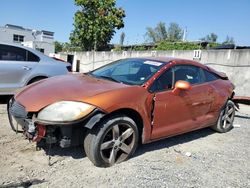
column 210, row 76
column 164, row 82
column 32, row 57
column 189, row 73
column 12, row 53
column 129, row 71
column 126, row 68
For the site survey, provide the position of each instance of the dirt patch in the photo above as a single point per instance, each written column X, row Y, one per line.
column 199, row 159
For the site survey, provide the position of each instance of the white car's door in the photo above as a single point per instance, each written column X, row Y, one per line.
column 16, row 64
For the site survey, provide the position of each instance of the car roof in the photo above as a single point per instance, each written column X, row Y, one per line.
column 36, row 52
column 167, row 60
column 15, row 45
column 180, row 61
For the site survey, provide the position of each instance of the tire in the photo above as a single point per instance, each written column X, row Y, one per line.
column 11, row 119
column 112, row 141
column 226, row 118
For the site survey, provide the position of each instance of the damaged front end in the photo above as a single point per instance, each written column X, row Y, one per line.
column 64, row 134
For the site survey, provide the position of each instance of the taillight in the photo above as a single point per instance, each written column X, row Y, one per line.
column 69, row 68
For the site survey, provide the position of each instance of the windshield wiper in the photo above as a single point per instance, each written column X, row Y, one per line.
column 109, row 78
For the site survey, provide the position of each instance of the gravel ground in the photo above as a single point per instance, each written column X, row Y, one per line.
column 199, row 159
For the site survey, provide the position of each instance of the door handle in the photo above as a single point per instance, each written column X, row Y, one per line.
column 26, row 68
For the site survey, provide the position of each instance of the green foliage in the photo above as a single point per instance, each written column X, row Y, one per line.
column 160, row 33
column 139, row 48
column 213, row 44
column 58, row 46
column 117, row 49
column 67, row 47
column 212, row 37
column 175, row 32
column 165, row 45
column 95, row 23
column 151, row 35
column 229, row 40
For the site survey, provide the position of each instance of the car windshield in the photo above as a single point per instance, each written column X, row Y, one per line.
column 128, row 71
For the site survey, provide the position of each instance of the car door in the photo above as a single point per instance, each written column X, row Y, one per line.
column 16, row 64
column 177, row 113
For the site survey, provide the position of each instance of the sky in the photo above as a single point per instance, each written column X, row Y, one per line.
column 200, row 17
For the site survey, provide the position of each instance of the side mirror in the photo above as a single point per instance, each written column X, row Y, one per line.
column 181, row 85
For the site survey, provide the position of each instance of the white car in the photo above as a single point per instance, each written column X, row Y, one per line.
column 21, row 66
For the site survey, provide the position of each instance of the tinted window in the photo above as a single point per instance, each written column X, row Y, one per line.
column 164, row 82
column 210, row 76
column 189, row 73
column 32, row 57
column 11, row 53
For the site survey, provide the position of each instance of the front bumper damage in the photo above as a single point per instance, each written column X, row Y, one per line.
column 65, row 134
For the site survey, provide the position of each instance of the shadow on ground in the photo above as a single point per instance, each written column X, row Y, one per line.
column 5, row 98
column 24, row 184
column 173, row 141
column 243, row 116
column 78, row 152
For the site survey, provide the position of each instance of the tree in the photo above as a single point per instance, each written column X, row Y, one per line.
column 161, row 32
column 158, row 33
column 175, row 33
column 151, row 35
column 58, row 46
column 229, row 40
column 95, row 23
column 212, row 37
column 122, row 38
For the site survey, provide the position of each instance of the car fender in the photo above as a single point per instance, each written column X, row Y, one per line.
column 94, row 120
column 35, row 76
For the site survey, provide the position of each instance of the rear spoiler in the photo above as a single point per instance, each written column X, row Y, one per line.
column 222, row 75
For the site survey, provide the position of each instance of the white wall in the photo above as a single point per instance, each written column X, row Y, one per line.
column 6, row 34
column 235, row 63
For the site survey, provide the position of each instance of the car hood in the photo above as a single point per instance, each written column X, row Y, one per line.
column 78, row 87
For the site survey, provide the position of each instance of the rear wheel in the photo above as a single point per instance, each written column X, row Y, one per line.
column 113, row 141
column 226, row 118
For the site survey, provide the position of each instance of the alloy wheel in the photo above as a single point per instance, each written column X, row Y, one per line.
column 228, row 116
column 117, row 143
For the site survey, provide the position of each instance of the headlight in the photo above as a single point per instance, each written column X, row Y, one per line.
column 65, row 111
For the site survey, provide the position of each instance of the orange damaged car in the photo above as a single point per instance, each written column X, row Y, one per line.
column 113, row 108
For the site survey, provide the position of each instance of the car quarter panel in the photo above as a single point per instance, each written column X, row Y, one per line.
column 222, row 91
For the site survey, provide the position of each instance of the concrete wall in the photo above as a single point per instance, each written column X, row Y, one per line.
column 235, row 63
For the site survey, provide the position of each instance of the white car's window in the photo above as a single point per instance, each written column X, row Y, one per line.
column 12, row 53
